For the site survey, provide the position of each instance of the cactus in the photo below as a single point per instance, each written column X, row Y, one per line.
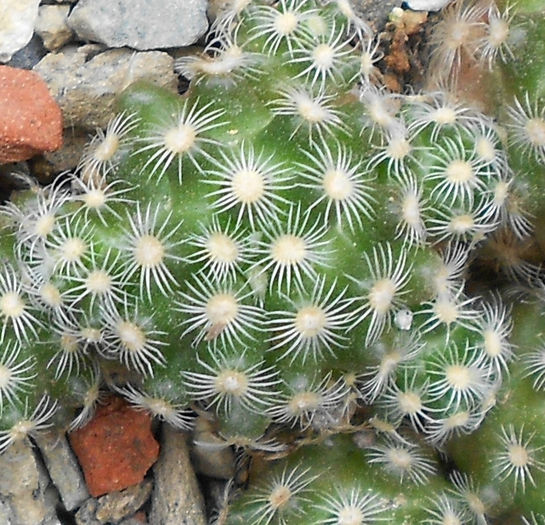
column 286, row 247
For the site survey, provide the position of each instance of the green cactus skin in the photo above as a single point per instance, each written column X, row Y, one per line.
column 286, row 247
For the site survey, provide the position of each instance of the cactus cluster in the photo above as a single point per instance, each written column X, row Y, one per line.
column 284, row 250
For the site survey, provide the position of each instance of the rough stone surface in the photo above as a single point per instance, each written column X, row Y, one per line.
column 30, row 55
column 140, row 24
column 17, row 19
column 118, row 505
column 30, row 119
column 176, row 495
column 67, row 157
column 116, row 448
column 85, row 81
column 63, row 469
column 52, row 26
column 114, row 507
column 86, row 513
column 373, row 12
column 23, row 488
column 138, row 519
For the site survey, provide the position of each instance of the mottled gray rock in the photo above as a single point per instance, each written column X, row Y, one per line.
column 6, row 514
column 52, row 26
column 375, row 13
column 140, row 24
column 114, row 507
column 132, row 521
column 30, row 55
column 17, row 19
column 63, row 469
column 86, row 513
column 176, row 495
column 23, row 487
column 67, row 157
column 85, row 81
column 118, row 505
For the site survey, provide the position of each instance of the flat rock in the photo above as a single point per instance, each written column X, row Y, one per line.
column 30, row 55
column 116, row 448
column 86, row 81
column 52, row 26
column 63, row 468
column 30, row 119
column 67, row 157
column 114, row 507
column 118, row 505
column 373, row 12
column 176, row 494
column 24, row 486
column 140, row 24
column 17, row 19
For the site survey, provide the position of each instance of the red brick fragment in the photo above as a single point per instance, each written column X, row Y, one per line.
column 116, row 448
column 30, row 119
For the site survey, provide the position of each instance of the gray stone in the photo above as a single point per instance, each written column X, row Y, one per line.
column 6, row 514
column 63, row 469
column 67, row 157
column 85, row 81
column 114, row 507
column 52, row 26
column 118, row 505
column 30, row 55
column 375, row 13
column 140, row 24
column 86, row 513
column 17, row 19
column 23, row 487
column 176, row 495
column 132, row 521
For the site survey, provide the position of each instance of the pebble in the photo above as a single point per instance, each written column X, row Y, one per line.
column 425, row 5
column 30, row 55
column 63, row 468
column 116, row 448
column 67, row 157
column 114, row 507
column 17, row 19
column 86, row 81
column 140, row 24
column 52, row 26
column 176, row 495
column 30, row 119
column 24, row 488
column 375, row 13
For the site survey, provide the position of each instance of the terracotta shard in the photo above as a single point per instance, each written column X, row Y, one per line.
column 116, row 448
column 30, row 119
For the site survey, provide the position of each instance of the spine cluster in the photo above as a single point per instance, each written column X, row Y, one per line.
column 286, row 247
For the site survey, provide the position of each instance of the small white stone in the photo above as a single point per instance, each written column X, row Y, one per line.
column 17, row 19
column 426, row 5
column 403, row 319
column 140, row 24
